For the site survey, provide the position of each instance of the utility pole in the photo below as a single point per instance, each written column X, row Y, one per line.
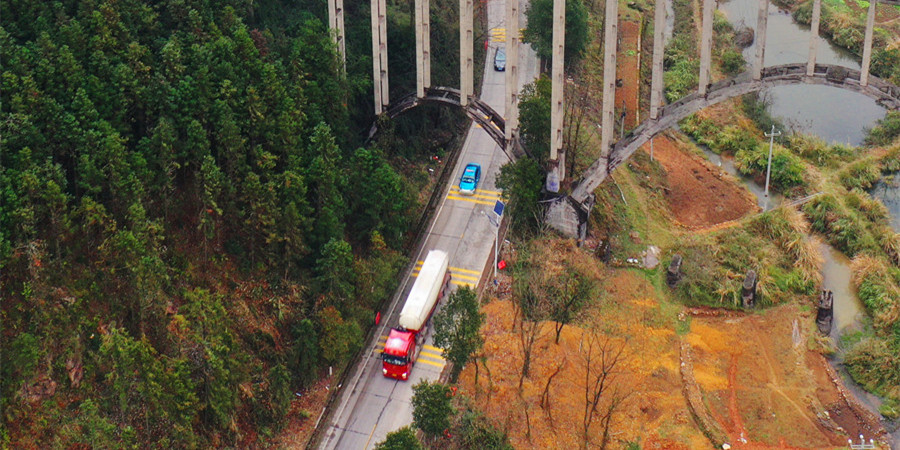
column 771, row 137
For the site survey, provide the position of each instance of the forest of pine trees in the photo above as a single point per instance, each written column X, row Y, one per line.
column 191, row 226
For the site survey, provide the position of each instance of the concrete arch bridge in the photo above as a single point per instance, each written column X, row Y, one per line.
column 490, row 120
column 568, row 214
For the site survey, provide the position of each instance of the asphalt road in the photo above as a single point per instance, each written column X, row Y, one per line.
column 371, row 406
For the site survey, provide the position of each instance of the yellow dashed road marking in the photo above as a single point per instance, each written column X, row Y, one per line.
column 481, row 191
column 425, row 361
column 470, row 200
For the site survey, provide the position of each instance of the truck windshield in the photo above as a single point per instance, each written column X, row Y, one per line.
column 395, row 360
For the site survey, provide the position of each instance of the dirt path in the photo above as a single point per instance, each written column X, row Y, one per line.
column 628, row 71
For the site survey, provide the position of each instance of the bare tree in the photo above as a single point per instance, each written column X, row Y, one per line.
column 573, row 289
column 528, row 331
column 545, row 397
column 600, row 356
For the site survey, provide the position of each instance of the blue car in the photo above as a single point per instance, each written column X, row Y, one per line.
column 470, row 177
column 500, row 60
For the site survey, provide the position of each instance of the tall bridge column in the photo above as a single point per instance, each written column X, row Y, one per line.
column 512, row 69
column 659, row 48
column 466, row 48
column 423, row 46
column 336, row 23
column 867, row 44
column 706, row 45
column 557, row 97
column 609, row 76
column 379, row 55
column 761, row 21
column 814, row 37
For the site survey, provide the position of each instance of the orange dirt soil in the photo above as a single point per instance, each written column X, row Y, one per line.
column 628, row 70
column 759, row 383
column 699, row 194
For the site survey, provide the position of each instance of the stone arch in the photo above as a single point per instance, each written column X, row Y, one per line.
column 482, row 113
column 884, row 93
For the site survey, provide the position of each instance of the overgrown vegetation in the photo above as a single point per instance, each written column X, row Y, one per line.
column 772, row 244
column 874, row 361
column 885, row 130
column 176, row 190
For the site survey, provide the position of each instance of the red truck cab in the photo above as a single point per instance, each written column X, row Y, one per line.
column 398, row 349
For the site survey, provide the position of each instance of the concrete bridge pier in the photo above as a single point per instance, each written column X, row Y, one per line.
column 466, row 49
column 336, row 24
column 423, row 46
column 814, row 37
column 709, row 6
column 379, row 55
column 557, row 95
column 761, row 20
column 867, row 44
column 512, row 70
column 610, row 39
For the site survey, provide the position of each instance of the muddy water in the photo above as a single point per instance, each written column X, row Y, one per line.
column 848, row 310
column 759, row 191
column 888, row 191
column 833, row 114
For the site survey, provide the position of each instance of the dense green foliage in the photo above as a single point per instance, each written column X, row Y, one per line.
column 728, row 140
column 786, row 168
column 681, row 58
column 402, row 439
column 885, row 130
column 177, row 183
column 431, row 407
column 457, row 329
column 521, row 182
column 842, row 226
column 534, row 117
column 539, row 29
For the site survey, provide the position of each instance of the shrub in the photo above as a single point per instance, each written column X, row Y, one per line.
column 876, row 366
column 402, row 439
column 732, row 62
column 885, row 130
column 681, row 78
column 850, row 38
column 815, row 150
column 890, row 162
column 431, row 407
column 886, row 63
column 843, row 230
column 755, row 106
column 787, row 169
column 860, row 175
